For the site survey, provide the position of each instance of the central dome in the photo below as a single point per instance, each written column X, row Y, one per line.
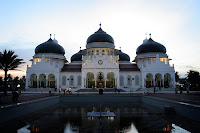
column 100, row 39
column 100, row 36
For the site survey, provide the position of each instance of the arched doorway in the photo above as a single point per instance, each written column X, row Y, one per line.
column 121, row 80
column 149, row 80
column 167, row 79
column 129, row 80
column 33, row 81
column 90, row 80
column 100, row 80
column 51, row 81
column 158, row 80
column 110, row 80
column 42, row 80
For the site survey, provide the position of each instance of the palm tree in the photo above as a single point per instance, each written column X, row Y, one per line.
column 8, row 61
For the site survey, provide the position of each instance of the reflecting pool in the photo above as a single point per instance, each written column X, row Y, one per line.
column 65, row 118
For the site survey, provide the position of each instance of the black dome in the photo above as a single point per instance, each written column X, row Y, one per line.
column 100, row 36
column 122, row 56
column 150, row 46
column 50, row 46
column 77, row 56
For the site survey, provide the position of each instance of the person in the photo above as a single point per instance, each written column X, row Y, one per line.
column 67, row 90
column 70, row 90
column 176, row 90
column 19, row 91
column 55, row 89
column 49, row 91
column 187, row 88
column 41, row 89
column 115, row 89
column 15, row 96
column 60, row 89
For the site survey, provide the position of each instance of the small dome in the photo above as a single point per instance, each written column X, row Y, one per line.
column 77, row 56
column 50, row 46
column 150, row 46
column 100, row 36
column 122, row 56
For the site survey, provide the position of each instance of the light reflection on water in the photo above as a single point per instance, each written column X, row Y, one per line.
column 74, row 120
column 177, row 129
column 131, row 129
column 70, row 129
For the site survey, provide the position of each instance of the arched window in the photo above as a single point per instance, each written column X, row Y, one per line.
column 121, row 80
column 64, row 80
column 79, row 80
column 136, row 80
column 129, row 80
column 71, row 82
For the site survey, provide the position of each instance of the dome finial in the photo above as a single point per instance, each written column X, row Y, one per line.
column 100, row 24
column 80, row 48
column 50, row 35
column 120, row 48
column 149, row 35
column 146, row 35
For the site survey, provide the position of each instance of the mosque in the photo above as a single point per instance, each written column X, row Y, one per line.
column 100, row 65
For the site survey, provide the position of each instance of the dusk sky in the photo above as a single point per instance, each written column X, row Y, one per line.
column 24, row 24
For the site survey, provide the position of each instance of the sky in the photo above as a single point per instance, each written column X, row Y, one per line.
column 24, row 24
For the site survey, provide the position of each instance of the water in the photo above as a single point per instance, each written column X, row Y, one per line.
column 73, row 119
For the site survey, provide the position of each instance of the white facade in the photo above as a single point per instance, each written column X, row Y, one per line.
column 100, row 66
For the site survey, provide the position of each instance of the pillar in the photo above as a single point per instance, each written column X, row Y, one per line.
column 38, row 79
column 27, row 80
column 57, row 82
column 46, row 81
column 105, row 84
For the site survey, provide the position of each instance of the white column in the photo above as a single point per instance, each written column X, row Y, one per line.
column 46, row 81
column 117, row 80
column 57, row 81
column 82, row 82
column 142, row 80
column 37, row 81
column 154, row 80
column 27, row 80
column 105, row 84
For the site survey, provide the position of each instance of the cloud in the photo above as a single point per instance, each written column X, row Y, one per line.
column 190, row 67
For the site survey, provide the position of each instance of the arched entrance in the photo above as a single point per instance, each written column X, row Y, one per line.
column 90, row 80
column 167, row 79
column 158, row 80
column 51, row 81
column 129, row 81
column 33, row 81
column 100, row 80
column 149, row 80
column 42, row 80
column 110, row 80
column 121, row 80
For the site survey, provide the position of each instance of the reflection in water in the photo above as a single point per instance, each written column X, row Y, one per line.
column 131, row 129
column 177, row 129
column 70, row 119
column 24, row 129
column 70, row 129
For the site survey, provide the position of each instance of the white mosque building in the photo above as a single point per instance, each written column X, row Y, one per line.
column 100, row 65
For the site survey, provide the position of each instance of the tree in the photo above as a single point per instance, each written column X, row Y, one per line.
column 177, row 76
column 1, row 83
column 193, row 77
column 8, row 61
